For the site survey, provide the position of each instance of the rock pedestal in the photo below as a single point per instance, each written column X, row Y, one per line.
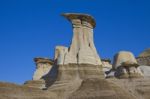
column 126, row 65
column 41, row 78
column 79, row 61
column 81, row 58
column 43, row 67
column 82, row 49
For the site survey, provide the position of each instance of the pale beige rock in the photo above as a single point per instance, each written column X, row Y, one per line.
column 107, row 67
column 122, row 57
column 60, row 53
column 82, row 49
column 126, row 65
column 145, row 53
column 36, row 84
column 43, row 67
column 81, row 60
column 144, row 57
column 106, row 63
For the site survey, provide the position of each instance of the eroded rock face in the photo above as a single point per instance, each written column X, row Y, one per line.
column 126, row 65
column 79, row 72
column 80, row 61
column 145, row 70
column 145, row 53
column 106, row 65
column 144, row 58
column 60, row 53
column 82, row 49
column 43, row 67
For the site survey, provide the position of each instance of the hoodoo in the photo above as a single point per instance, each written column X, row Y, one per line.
column 43, row 66
column 80, row 60
column 41, row 77
column 82, row 49
column 126, row 65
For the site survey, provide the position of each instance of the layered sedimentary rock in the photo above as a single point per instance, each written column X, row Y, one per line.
column 40, row 84
column 81, row 58
column 82, row 49
column 144, row 58
column 145, row 53
column 106, row 63
column 145, row 70
column 41, row 77
column 60, row 53
column 126, row 65
column 43, row 67
column 106, row 67
column 79, row 61
column 76, row 72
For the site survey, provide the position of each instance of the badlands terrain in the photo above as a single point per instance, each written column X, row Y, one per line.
column 78, row 72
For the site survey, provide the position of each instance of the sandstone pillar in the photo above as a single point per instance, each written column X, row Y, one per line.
column 43, row 67
column 82, row 49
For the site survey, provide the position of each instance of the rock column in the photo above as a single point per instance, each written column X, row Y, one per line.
column 82, row 49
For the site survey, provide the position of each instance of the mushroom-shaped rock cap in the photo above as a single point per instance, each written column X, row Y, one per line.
column 124, row 58
column 81, row 16
column 43, row 60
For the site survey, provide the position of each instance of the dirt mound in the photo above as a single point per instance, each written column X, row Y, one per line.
column 13, row 91
column 99, row 89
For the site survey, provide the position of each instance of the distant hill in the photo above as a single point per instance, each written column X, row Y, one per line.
column 145, row 53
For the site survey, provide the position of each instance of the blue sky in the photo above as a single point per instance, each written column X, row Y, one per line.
column 32, row 28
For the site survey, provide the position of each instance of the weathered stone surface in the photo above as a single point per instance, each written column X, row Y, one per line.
column 124, row 57
column 145, row 53
column 43, row 67
column 36, row 84
column 76, row 72
column 80, row 61
column 106, row 66
column 144, row 58
column 106, row 63
column 100, row 89
column 139, row 88
column 60, row 53
column 82, row 49
column 145, row 70
column 126, row 65
column 79, row 89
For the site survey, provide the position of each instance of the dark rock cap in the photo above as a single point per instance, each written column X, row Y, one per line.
column 43, row 60
column 81, row 16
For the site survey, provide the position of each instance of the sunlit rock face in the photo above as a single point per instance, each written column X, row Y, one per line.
column 43, row 67
column 107, row 68
column 81, row 58
column 145, row 70
column 126, row 65
column 41, row 77
column 76, row 72
column 60, row 53
column 144, row 58
column 106, row 64
column 79, row 61
column 82, row 49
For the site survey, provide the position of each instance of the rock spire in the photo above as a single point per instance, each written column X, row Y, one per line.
column 82, row 49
